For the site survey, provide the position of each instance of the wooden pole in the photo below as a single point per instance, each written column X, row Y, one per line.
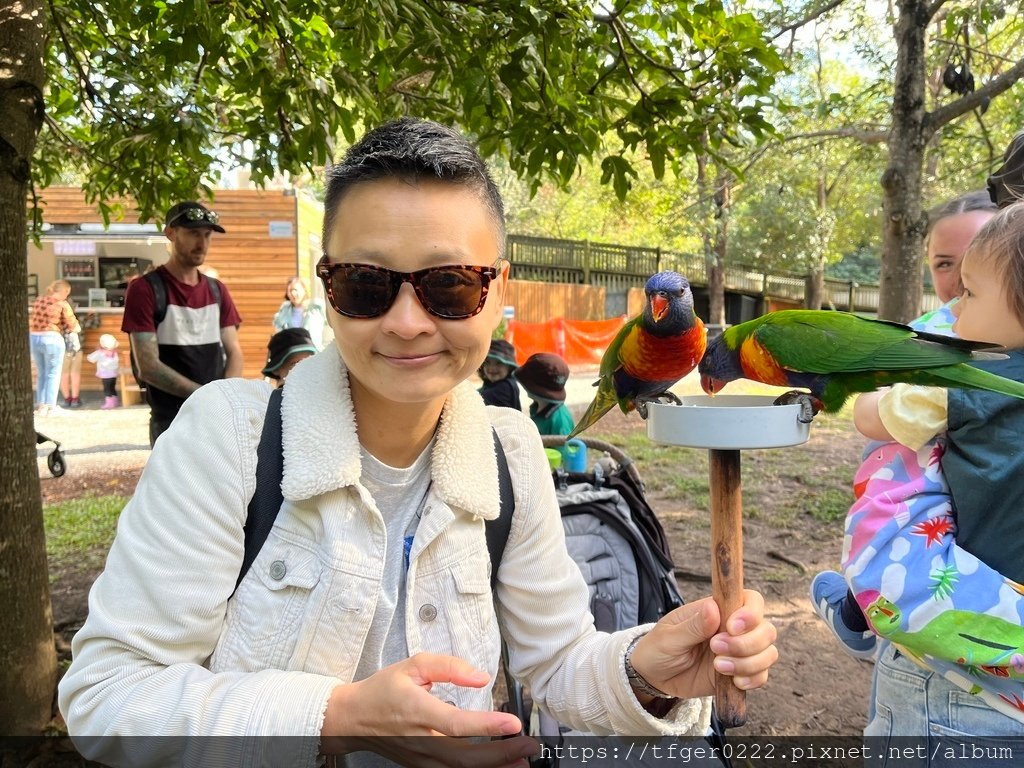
column 727, row 566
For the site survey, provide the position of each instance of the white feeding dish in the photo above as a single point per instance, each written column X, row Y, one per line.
column 727, row 422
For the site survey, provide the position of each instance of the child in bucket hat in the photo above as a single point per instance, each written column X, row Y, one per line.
column 543, row 376
column 500, row 386
column 285, row 349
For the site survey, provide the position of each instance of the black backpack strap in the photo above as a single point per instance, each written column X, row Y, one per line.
column 497, row 530
column 159, row 295
column 267, row 499
column 215, row 290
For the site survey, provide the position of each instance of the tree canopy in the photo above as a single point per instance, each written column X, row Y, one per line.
column 151, row 98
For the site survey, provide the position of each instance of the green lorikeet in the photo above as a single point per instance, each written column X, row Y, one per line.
column 837, row 354
column 651, row 352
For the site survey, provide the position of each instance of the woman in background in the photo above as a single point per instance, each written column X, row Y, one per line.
column 52, row 317
column 299, row 310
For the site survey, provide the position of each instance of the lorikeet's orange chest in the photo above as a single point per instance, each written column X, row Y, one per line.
column 758, row 364
column 654, row 358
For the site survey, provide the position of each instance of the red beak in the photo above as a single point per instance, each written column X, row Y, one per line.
column 659, row 306
column 710, row 385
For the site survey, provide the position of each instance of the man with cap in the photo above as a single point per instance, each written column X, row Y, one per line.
column 182, row 324
column 543, row 376
column 500, row 386
column 284, row 350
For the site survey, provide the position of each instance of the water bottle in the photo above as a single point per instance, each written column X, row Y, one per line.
column 575, row 455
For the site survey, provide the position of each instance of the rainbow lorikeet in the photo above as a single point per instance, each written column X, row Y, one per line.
column 836, row 354
column 651, row 352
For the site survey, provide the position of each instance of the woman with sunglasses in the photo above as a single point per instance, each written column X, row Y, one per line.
column 368, row 612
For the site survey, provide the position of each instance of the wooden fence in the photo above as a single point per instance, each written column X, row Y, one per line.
column 618, row 268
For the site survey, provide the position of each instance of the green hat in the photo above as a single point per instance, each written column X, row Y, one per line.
column 503, row 352
column 283, row 345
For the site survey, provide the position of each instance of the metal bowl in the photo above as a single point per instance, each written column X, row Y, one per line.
column 727, row 422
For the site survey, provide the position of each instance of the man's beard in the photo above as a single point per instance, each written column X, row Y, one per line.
column 193, row 258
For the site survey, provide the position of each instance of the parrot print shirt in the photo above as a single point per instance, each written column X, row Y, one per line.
column 940, row 604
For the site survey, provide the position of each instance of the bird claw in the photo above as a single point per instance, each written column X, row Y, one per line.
column 810, row 406
column 641, row 402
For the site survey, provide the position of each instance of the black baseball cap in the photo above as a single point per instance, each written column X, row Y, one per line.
column 192, row 215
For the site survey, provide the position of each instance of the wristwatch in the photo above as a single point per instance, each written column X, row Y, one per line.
column 636, row 680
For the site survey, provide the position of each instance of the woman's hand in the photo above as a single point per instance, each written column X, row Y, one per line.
column 684, row 649
column 396, row 701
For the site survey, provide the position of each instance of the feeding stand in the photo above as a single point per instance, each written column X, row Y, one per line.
column 725, row 425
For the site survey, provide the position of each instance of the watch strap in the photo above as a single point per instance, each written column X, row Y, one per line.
column 636, row 680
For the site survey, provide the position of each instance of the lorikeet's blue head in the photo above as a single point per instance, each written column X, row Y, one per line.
column 669, row 307
column 719, row 366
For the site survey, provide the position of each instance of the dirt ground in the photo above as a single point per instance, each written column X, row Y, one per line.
column 814, row 689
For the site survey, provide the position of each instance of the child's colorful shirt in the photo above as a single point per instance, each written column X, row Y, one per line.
column 943, row 606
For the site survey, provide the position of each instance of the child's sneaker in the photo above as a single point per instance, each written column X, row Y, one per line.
column 828, row 589
column 108, row 403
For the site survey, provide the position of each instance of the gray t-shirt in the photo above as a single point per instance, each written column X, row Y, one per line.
column 400, row 495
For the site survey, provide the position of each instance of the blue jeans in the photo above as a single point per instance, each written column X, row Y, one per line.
column 48, row 355
column 908, row 700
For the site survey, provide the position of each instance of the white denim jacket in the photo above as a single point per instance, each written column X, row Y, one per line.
column 167, row 649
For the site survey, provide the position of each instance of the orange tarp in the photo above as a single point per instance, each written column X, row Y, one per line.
column 579, row 342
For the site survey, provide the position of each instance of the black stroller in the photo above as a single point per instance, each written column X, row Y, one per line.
column 55, row 461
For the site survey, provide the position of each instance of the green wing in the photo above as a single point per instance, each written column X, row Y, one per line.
column 821, row 341
column 610, row 362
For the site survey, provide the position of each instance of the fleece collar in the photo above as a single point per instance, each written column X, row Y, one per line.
column 321, row 447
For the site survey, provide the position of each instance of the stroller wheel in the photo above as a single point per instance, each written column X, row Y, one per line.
column 55, row 461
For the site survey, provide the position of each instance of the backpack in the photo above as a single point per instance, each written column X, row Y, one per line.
column 620, row 547
column 160, row 311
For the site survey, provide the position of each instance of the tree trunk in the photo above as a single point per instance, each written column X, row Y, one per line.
column 716, row 276
column 814, row 287
column 901, row 281
column 28, row 661
column 713, row 235
column 712, row 268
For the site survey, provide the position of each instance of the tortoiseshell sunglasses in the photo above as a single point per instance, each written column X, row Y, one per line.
column 452, row 291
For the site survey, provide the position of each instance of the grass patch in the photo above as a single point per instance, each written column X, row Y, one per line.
column 79, row 532
column 693, row 490
column 831, row 504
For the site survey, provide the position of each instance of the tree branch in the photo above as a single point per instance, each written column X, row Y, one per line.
column 87, row 86
column 644, row 96
column 863, row 135
column 612, row 21
column 933, row 9
column 611, row 68
column 994, row 87
column 813, row 16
